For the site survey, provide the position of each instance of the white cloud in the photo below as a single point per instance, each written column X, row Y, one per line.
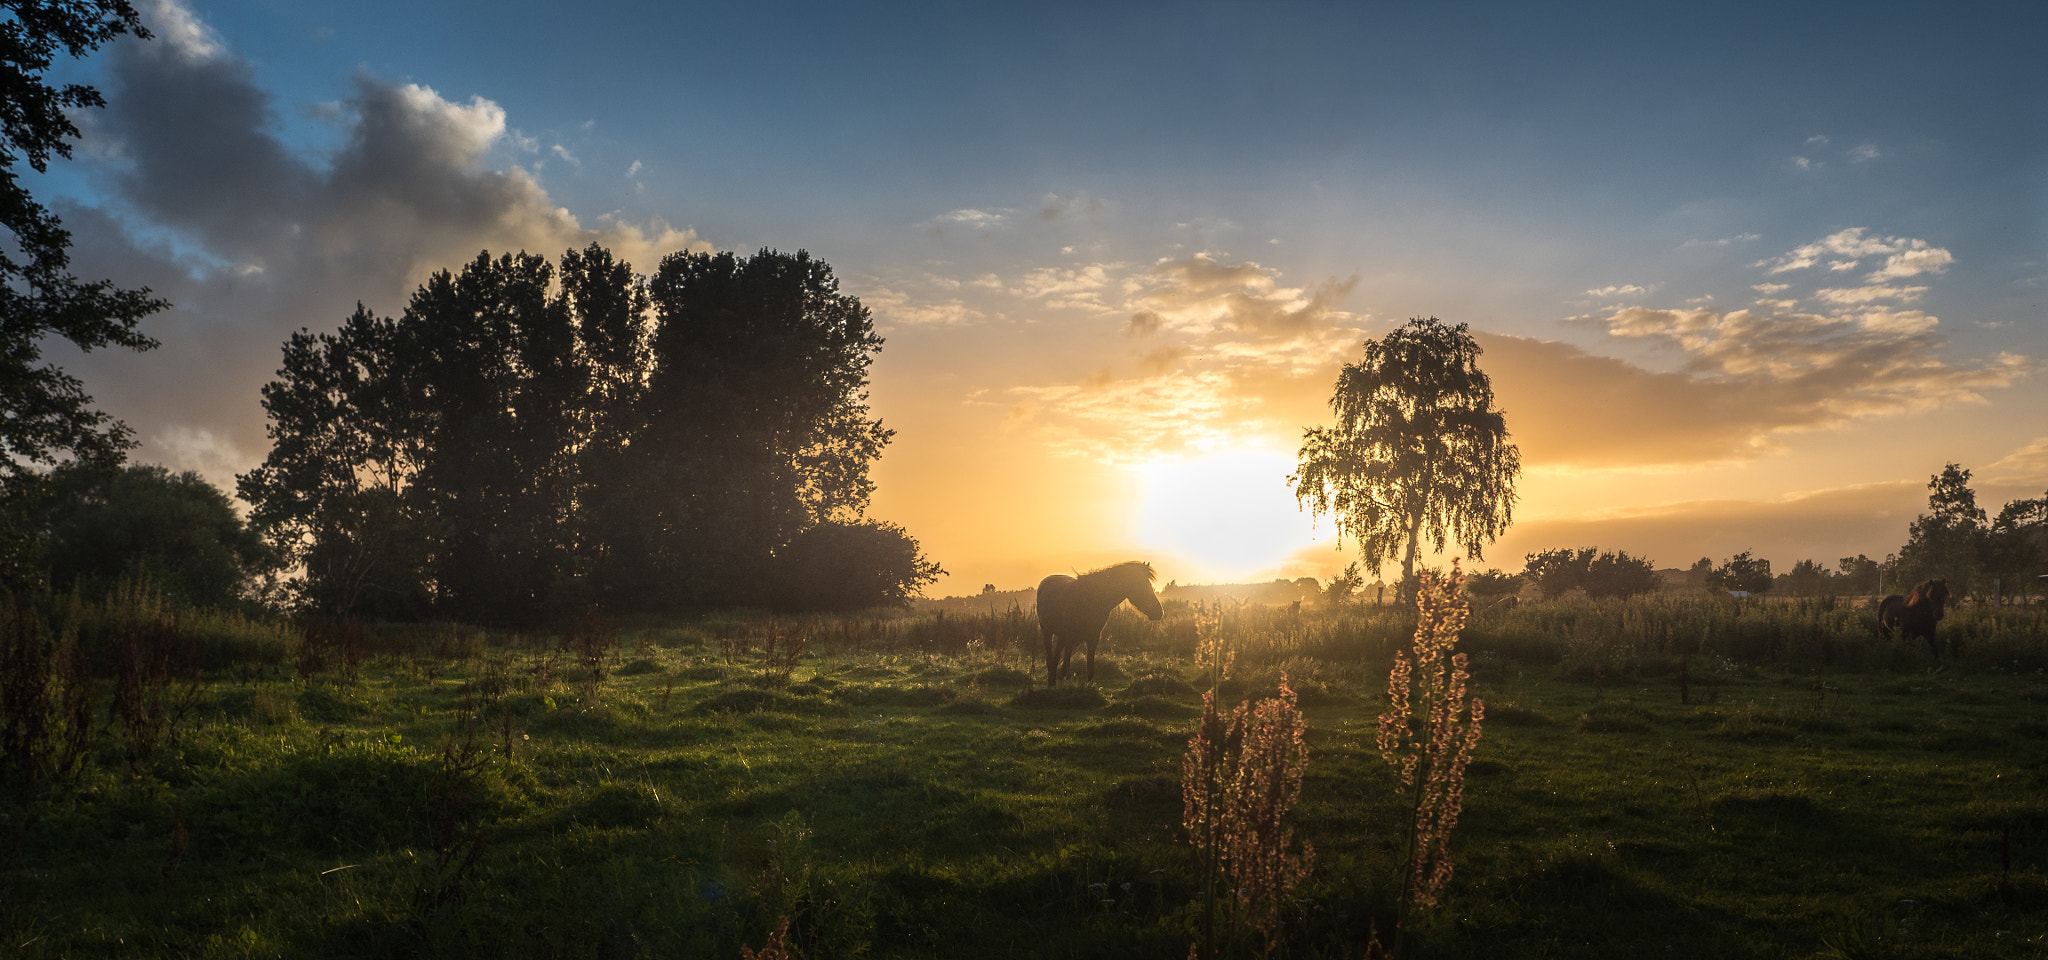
column 1864, row 153
column 563, row 152
column 1870, row 294
column 1770, row 288
column 268, row 240
column 1913, row 261
column 1616, row 291
column 1822, row 369
column 1845, row 249
column 183, row 33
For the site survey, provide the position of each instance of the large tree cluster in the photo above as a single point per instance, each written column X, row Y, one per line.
column 1956, row 541
column 530, row 437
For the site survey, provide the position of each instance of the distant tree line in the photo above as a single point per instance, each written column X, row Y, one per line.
column 528, row 438
column 1955, row 540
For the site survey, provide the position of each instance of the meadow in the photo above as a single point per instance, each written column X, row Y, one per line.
column 1677, row 776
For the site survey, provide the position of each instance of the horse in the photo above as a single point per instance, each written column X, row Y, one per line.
column 1073, row 610
column 1915, row 613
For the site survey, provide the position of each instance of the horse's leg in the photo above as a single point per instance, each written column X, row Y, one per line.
column 1092, row 641
column 1052, row 657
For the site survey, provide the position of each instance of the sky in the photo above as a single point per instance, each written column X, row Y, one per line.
column 1745, row 276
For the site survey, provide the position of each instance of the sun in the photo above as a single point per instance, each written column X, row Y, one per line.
column 1231, row 515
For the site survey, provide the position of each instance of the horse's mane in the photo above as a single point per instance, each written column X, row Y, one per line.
column 1128, row 568
column 1928, row 591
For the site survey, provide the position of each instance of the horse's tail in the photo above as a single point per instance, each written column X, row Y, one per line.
column 1890, row 611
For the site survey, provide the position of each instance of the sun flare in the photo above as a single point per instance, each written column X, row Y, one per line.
column 1230, row 515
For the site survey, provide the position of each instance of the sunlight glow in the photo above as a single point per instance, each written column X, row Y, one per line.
column 1231, row 514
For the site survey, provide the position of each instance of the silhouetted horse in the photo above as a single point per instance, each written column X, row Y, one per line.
column 1073, row 610
column 1915, row 613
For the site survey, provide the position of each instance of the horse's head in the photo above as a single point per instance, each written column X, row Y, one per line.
column 1141, row 595
column 1936, row 594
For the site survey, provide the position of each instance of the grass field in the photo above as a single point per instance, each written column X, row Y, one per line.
column 1668, row 778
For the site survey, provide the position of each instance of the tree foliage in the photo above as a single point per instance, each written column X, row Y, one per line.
column 1807, row 578
column 1742, row 572
column 1949, row 540
column 1600, row 574
column 529, row 438
column 1418, row 453
column 45, row 414
column 1493, row 583
column 174, row 530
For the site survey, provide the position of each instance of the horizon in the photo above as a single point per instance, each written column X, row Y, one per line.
column 1743, row 293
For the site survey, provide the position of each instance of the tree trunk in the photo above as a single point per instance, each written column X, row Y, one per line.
column 1407, row 590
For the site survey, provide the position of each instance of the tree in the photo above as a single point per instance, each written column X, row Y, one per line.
column 1418, row 451
column 1807, row 578
column 1742, row 572
column 1345, row 586
column 1859, row 573
column 528, row 439
column 45, row 414
column 756, row 417
column 2016, row 550
column 853, row 566
column 1609, row 574
column 1492, row 583
column 1621, row 576
column 1949, row 540
column 175, row 530
column 1556, row 572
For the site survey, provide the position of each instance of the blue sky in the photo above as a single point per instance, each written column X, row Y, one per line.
column 1733, row 265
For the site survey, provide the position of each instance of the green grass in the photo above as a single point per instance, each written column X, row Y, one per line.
column 898, row 796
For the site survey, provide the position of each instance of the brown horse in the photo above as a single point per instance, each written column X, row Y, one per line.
column 1073, row 610
column 1915, row 614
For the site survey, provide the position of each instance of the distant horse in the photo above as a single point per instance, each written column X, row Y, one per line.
column 1073, row 610
column 1916, row 613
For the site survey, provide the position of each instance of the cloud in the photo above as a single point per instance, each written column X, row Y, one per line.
column 1060, row 206
column 1613, row 291
column 1229, row 353
column 1722, row 242
column 1747, row 376
column 183, row 34
column 2027, row 464
column 895, row 308
column 1845, row 249
column 1914, row 261
column 1814, row 370
column 984, row 223
column 1870, row 294
column 251, row 241
column 1200, row 296
column 1071, row 287
column 1863, row 154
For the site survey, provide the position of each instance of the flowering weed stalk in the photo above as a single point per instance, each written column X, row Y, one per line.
column 1428, row 734
column 1238, row 781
